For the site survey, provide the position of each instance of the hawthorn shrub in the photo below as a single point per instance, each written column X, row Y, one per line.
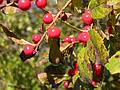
column 61, row 44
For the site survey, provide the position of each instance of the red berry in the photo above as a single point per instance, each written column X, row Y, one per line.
column 54, row 32
column 24, row 4
column 66, row 84
column 41, row 3
column 36, row 38
column 73, row 39
column 28, row 49
column 97, row 69
column 83, row 37
column 87, row 27
column 1, row 1
column 76, row 65
column 109, row 28
column 67, row 39
column 47, row 18
column 93, row 83
column 70, row 72
column 75, row 71
column 87, row 18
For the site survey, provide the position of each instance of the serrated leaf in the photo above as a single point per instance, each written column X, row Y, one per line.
column 114, row 63
column 99, row 44
column 90, row 52
column 102, row 1
column 12, row 36
column 85, row 73
column 113, row 2
column 74, row 78
column 101, row 11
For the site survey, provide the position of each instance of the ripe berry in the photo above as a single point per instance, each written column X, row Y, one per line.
column 97, row 69
column 66, row 84
column 47, row 18
column 28, row 49
column 36, row 38
column 87, row 18
column 76, row 65
column 1, row 1
column 87, row 27
column 87, row 11
column 109, row 28
column 83, row 37
column 70, row 72
column 24, row 4
column 54, row 32
column 93, row 83
column 73, row 39
column 67, row 39
column 41, row 3
column 75, row 71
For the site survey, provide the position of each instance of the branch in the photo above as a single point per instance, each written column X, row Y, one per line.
column 56, row 17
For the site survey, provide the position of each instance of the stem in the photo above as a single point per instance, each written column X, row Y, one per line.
column 74, row 27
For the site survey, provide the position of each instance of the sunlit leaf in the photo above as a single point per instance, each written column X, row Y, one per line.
column 101, row 11
column 99, row 44
column 74, row 78
column 113, row 2
column 85, row 73
column 114, row 63
column 93, row 3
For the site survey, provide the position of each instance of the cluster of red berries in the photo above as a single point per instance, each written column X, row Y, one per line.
column 29, row 49
column 84, row 36
column 71, row 72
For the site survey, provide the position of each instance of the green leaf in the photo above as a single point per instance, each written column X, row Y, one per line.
column 99, row 44
column 116, row 6
column 93, row 3
column 102, row 1
column 74, row 78
column 113, row 2
column 114, row 63
column 85, row 73
column 90, row 52
column 101, row 11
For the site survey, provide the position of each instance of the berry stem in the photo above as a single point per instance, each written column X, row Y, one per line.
column 97, row 55
column 74, row 27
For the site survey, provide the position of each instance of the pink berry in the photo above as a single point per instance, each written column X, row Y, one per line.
column 87, row 11
column 66, row 84
column 24, row 4
column 67, row 39
column 54, row 32
column 73, row 39
column 41, row 3
column 28, row 49
column 97, row 69
column 93, row 83
column 83, row 37
column 87, row 18
column 47, row 18
column 36, row 38
column 1, row 1
column 87, row 27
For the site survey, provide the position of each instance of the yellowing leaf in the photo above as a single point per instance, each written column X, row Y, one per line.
column 114, row 63
column 99, row 44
